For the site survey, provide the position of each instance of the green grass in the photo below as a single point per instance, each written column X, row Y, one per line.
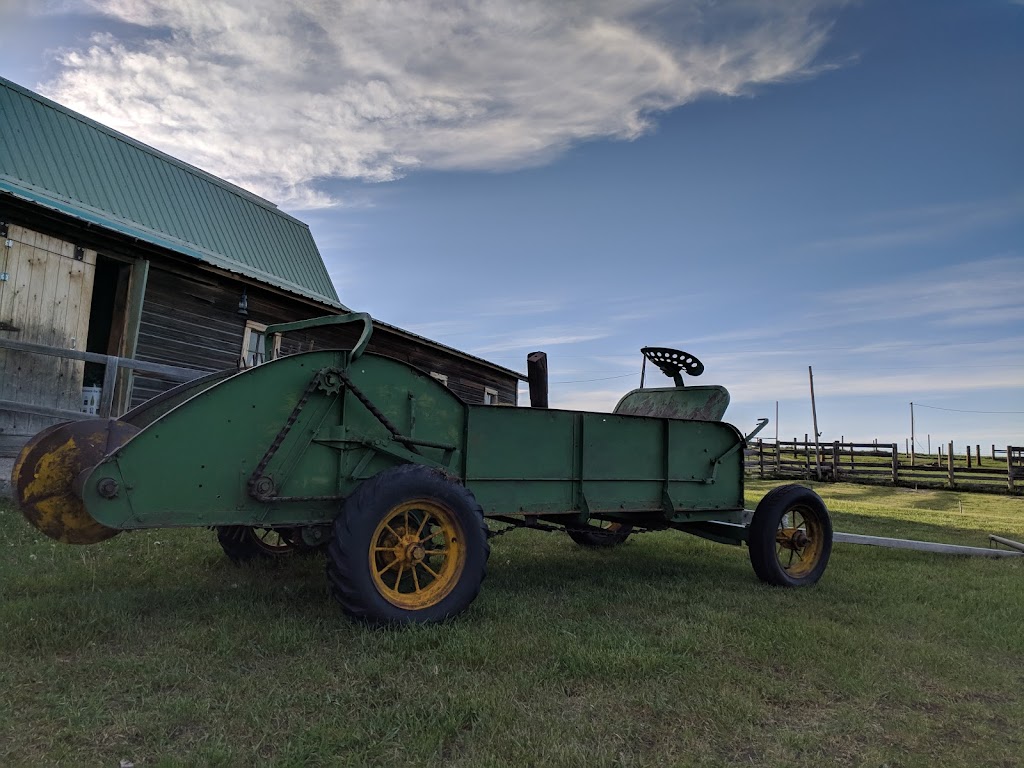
column 665, row 651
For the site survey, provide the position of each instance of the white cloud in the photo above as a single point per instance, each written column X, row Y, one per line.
column 277, row 95
column 539, row 339
column 916, row 226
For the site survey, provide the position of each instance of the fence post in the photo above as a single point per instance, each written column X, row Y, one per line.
column 968, row 455
column 993, row 451
column 1009, row 467
column 952, row 478
column 977, row 450
column 109, row 383
column 760, row 457
column 895, row 464
column 835, row 462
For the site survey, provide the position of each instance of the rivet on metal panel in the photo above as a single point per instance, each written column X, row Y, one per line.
column 9, row 243
column 4, row 277
column 3, row 229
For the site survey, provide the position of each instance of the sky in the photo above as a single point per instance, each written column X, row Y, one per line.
column 770, row 186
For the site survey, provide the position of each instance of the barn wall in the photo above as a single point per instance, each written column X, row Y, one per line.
column 46, row 298
column 190, row 318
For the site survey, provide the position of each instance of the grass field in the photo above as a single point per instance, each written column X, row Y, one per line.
column 666, row 651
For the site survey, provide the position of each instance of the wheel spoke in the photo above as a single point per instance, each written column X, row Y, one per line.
column 430, row 536
column 398, row 579
column 423, row 524
column 430, row 570
column 388, row 567
column 415, row 579
column 393, row 531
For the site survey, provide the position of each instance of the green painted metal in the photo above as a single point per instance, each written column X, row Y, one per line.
column 707, row 403
column 62, row 160
column 283, row 443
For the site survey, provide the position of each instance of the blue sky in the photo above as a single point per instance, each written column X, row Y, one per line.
column 769, row 186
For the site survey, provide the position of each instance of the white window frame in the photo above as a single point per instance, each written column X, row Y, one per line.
column 490, row 396
column 443, row 378
column 252, row 327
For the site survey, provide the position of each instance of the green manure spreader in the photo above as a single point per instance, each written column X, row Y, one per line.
column 397, row 478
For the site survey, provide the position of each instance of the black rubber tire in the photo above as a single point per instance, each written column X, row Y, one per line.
column 764, row 556
column 244, row 544
column 349, row 571
column 594, row 536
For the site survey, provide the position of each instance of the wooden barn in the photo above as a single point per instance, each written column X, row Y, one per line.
column 124, row 270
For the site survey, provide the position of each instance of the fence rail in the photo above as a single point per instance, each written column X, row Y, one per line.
column 112, row 362
column 884, row 463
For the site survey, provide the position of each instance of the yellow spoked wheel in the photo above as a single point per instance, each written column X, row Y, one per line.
column 799, row 541
column 599, row 533
column 417, row 554
column 790, row 537
column 409, row 546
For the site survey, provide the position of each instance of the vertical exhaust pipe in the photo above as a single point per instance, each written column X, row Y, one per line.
column 537, row 375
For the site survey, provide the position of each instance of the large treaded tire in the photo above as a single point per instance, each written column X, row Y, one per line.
column 596, row 536
column 358, row 568
column 769, row 543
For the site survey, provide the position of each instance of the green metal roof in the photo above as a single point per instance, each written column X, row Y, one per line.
column 65, row 161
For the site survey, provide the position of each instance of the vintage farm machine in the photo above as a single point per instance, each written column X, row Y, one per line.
column 397, row 478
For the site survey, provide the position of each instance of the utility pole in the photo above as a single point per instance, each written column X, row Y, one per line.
column 913, row 445
column 814, row 416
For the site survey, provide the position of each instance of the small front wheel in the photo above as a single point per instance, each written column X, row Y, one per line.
column 790, row 537
column 599, row 533
column 244, row 543
column 409, row 546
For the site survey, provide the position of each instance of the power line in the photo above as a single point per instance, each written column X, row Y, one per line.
column 606, row 378
column 960, row 410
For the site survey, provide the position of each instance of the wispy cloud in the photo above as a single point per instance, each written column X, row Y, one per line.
column 992, row 286
column 898, row 229
column 539, row 339
column 277, row 95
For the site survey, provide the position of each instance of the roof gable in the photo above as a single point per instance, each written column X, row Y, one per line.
column 63, row 160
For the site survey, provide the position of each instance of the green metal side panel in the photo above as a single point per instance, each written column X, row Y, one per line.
column 191, row 467
column 522, row 460
column 546, row 461
column 659, row 465
column 706, row 403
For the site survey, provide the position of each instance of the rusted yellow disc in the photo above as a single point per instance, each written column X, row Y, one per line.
column 46, row 469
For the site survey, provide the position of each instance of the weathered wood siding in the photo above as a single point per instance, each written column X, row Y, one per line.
column 47, row 297
column 192, row 320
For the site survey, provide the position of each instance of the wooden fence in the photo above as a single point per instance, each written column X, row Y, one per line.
column 885, row 464
column 11, row 444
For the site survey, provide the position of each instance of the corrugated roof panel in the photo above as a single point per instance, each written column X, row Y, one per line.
column 73, row 164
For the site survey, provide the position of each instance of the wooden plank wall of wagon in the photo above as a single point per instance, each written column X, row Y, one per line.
column 190, row 318
column 47, row 297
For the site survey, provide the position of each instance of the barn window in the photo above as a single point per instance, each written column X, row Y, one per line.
column 490, row 396
column 252, row 345
column 440, row 377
